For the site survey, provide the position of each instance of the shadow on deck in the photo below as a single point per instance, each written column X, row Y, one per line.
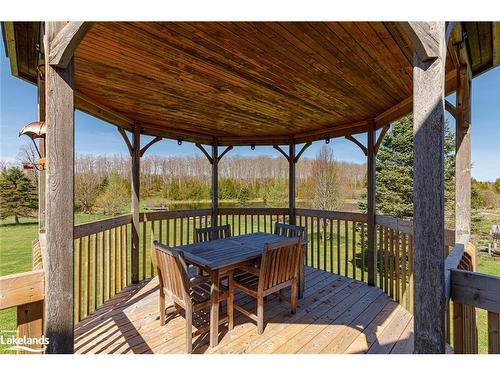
column 336, row 315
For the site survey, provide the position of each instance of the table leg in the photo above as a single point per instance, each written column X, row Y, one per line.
column 214, row 309
column 301, row 272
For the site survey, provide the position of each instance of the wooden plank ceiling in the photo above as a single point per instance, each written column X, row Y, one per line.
column 244, row 82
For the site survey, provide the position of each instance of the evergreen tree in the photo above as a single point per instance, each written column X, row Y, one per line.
column 18, row 196
column 394, row 166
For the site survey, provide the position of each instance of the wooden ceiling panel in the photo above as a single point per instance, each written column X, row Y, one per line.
column 233, row 79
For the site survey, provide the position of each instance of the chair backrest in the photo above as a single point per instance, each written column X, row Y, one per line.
column 212, row 233
column 280, row 263
column 172, row 273
column 289, row 230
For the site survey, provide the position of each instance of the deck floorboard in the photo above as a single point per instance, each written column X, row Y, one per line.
column 336, row 315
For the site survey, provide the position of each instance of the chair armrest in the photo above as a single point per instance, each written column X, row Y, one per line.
column 253, row 270
column 197, row 280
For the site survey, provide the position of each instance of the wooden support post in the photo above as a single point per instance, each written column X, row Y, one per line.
column 135, row 209
column 428, row 192
column 463, row 157
column 371, row 186
column 291, row 183
column 58, row 264
column 215, row 182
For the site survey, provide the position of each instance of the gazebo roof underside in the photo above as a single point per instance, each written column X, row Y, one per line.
column 248, row 83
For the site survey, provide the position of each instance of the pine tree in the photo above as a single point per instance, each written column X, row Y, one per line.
column 394, row 166
column 18, row 196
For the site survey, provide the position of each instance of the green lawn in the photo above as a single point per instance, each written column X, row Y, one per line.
column 15, row 253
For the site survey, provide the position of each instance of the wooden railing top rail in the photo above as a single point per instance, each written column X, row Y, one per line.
column 166, row 214
column 253, row 211
column 335, row 215
column 475, row 289
column 21, row 288
column 93, row 227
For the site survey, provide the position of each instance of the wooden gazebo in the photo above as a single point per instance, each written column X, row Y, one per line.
column 276, row 84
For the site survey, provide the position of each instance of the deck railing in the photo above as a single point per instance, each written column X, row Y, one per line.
column 337, row 242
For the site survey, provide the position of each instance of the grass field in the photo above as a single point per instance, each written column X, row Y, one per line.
column 15, row 256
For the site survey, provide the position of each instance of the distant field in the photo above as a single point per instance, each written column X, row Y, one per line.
column 15, row 256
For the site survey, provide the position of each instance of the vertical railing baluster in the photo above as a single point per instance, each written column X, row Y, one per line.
column 318, row 239
column 363, row 252
column 151, row 250
column 94, row 273
column 397, row 265
column 354, row 250
column 331, row 246
column 78, row 273
column 86, row 284
column 101, row 269
column 339, row 262
column 346, row 243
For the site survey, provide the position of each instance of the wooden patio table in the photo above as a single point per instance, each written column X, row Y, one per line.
column 219, row 256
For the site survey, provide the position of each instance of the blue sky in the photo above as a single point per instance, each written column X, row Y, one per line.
column 18, row 106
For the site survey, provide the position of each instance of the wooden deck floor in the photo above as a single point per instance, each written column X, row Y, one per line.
column 336, row 315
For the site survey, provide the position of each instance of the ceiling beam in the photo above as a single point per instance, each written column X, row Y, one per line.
column 424, row 42
column 88, row 105
column 10, row 39
column 63, row 47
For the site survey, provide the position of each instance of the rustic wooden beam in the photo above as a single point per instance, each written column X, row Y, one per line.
column 205, row 152
column 405, row 107
column 292, row 191
column 135, row 207
column 463, row 156
column 21, row 288
column 282, row 152
column 304, row 148
column 10, row 39
column 452, row 110
column 58, row 266
column 425, row 42
column 496, row 43
column 450, row 26
column 226, row 150
column 63, row 46
column 371, row 190
column 94, row 108
column 428, row 189
column 149, row 144
column 360, row 145
column 380, row 138
column 476, row 289
column 126, row 139
column 215, row 182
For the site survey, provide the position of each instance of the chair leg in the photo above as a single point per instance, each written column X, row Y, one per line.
column 230, row 302
column 189, row 329
column 162, row 308
column 293, row 295
column 260, row 315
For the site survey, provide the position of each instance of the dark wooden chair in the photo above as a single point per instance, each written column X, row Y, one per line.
column 292, row 231
column 289, row 230
column 212, row 233
column 278, row 270
column 188, row 294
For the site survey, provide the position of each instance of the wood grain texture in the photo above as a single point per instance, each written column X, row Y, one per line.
column 63, row 46
column 336, row 315
column 21, row 288
column 428, row 197
column 58, row 266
